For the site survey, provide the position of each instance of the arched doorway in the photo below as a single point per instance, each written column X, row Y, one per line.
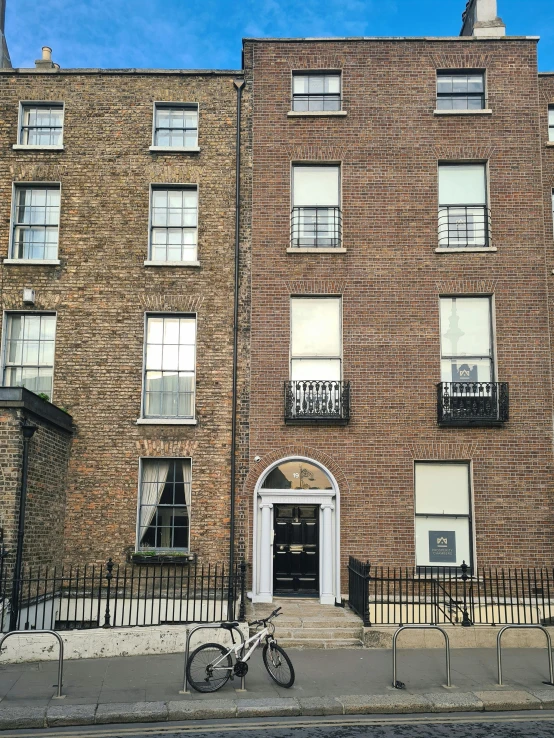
column 296, row 532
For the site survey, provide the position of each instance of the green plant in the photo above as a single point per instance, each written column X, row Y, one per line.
column 44, row 396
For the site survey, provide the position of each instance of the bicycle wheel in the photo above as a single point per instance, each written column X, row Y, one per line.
column 201, row 675
column 278, row 665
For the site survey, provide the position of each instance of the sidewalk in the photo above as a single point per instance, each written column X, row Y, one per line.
column 328, row 682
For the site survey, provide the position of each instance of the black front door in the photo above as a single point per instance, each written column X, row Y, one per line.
column 296, row 550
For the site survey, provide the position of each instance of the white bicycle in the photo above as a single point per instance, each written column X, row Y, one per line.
column 211, row 665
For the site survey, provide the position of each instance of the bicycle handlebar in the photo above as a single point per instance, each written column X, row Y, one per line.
column 263, row 621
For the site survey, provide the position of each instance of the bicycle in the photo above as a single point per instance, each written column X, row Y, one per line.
column 210, row 666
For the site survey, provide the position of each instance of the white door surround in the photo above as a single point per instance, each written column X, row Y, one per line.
column 329, row 536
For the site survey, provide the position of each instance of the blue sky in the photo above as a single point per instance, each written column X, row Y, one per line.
column 206, row 34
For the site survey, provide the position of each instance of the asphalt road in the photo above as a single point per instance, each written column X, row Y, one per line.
column 513, row 725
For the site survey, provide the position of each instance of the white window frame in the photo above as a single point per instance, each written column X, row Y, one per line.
column 164, row 420
column 317, row 73
column 165, row 104
column 317, row 249
column 470, row 514
column 323, row 358
column 142, row 459
column 467, row 248
column 171, row 186
column 549, row 124
column 30, row 185
column 38, row 103
column 462, row 73
column 6, row 314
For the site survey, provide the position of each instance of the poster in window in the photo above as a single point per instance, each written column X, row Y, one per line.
column 442, row 547
column 465, row 373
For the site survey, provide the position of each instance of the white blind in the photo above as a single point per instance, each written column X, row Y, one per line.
column 442, row 489
column 315, row 327
column 462, row 184
column 315, row 186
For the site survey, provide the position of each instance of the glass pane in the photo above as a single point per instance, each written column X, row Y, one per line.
column 442, row 541
column 170, row 357
column 465, row 326
column 459, row 83
column 444, row 83
column 297, row 475
column 187, row 328
column 155, row 330
column 154, row 357
column 475, row 83
column 316, row 327
column 186, row 358
column 322, row 369
column 300, row 84
column 332, row 84
column 466, row 371
column 442, row 489
column 462, row 184
column 171, row 331
column 316, row 84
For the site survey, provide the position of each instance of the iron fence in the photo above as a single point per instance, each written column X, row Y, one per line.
column 435, row 596
column 462, row 226
column 472, row 403
column 119, row 595
column 316, row 227
column 358, row 588
column 317, row 401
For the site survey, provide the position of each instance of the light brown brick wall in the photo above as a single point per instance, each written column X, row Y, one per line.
column 390, row 279
column 101, row 290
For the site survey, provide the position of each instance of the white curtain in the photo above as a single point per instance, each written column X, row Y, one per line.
column 314, row 186
column 187, row 478
column 154, row 477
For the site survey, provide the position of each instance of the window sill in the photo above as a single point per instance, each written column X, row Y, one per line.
column 175, row 559
column 167, row 421
column 36, row 147
column 317, row 114
column 466, row 249
column 292, row 250
column 175, row 149
column 171, row 263
column 34, row 262
column 550, row 143
column 483, row 111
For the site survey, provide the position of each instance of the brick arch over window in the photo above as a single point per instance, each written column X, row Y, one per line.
column 317, row 153
column 316, row 287
column 469, row 152
column 461, row 60
column 466, row 287
column 309, row 452
column 442, row 451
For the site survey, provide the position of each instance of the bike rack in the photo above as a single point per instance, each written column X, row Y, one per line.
column 215, row 626
column 59, row 695
column 400, row 685
column 548, row 646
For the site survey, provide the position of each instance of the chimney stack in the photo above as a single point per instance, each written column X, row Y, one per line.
column 480, row 20
column 46, row 63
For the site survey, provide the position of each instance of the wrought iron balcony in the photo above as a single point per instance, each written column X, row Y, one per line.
column 472, row 403
column 316, row 228
column 464, row 226
column 317, row 401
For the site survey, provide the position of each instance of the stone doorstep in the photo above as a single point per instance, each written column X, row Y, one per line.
column 18, row 716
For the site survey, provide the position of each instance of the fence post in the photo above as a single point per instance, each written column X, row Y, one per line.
column 242, row 609
column 109, row 567
column 365, row 593
column 466, row 622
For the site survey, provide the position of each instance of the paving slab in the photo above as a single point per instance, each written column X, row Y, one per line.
column 320, row 706
column 131, row 712
column 269, row 707
column 201, row 710
column 454, row 702
column 59, row 715
column 18, row 716
column 508, row 700
column 546, row 696
column 369, row 704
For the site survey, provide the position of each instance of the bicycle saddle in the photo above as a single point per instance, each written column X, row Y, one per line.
column 230, row 625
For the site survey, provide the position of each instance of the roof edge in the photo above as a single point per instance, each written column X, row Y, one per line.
column 154, row 72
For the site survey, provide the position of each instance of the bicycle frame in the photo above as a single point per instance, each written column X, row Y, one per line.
column 256, row 639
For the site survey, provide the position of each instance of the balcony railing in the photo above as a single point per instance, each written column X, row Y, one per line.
column 472, row 403
column 317, row 227
column 464, row 226
column 317, row 401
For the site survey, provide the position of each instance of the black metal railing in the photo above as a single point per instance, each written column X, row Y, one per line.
column 457, row 596
column 358, row 588
column 316, row 227
column 114, row 595
column 472, row 403
column 317, row 401
column 464, row 226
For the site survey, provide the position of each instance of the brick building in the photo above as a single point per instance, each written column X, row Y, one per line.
column 117, row 230
column 400, row 396
column 394, row 390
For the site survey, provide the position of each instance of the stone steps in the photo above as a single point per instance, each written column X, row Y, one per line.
column 318, row 643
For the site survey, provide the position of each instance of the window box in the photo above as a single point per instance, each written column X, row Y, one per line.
column 463, row 404
column 145, row 558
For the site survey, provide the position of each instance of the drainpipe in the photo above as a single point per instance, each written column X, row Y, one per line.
column 239, row 86
column 28, row 432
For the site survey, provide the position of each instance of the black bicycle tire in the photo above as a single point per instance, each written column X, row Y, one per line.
column 284, row 655
column 203, row 686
